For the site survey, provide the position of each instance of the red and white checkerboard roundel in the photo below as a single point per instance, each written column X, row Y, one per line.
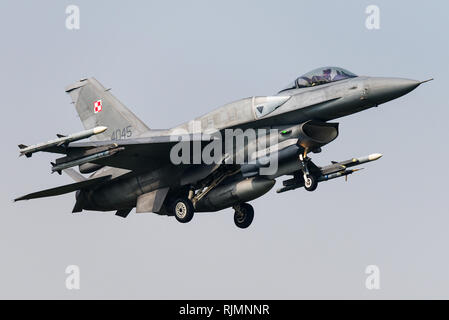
column 98, row 106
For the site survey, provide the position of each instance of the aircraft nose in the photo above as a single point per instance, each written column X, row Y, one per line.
column 380, row 90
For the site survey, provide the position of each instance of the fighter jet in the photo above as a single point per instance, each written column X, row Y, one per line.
column 126, row 165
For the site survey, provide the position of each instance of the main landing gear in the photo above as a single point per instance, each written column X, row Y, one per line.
column 183, row 210
column 243, row 215
column 310, row 181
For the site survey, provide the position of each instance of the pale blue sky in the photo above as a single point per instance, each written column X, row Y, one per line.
column 170, row 61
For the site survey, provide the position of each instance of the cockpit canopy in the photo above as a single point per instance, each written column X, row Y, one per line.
column 320, row 76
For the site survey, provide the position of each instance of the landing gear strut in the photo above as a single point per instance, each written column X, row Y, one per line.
column 243, row 215
column 310, row 181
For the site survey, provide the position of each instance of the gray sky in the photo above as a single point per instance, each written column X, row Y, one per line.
column 170, row 61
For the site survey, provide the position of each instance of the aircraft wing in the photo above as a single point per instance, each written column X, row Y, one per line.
column 132, row 154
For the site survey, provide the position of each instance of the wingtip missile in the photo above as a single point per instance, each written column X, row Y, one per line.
column 100, row 129
column 374, row 156
column 63, row 140
column 21, row 147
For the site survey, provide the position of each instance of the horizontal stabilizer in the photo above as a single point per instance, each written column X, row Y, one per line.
column 64, row 189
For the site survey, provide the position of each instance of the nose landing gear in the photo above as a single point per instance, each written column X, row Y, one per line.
column 310, row 181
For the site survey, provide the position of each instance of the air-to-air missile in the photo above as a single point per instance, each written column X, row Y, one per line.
column 62, row 140
column 333, row 171
column 85, row 159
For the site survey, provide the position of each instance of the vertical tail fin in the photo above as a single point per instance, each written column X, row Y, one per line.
column 96, row 106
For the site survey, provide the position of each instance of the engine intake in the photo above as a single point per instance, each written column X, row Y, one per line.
column 315, row 134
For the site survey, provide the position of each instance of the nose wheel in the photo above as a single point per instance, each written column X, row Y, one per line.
column 310, row 181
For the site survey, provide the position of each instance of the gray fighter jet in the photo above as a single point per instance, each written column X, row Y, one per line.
column 132, row 166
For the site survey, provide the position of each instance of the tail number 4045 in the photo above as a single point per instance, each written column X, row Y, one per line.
column 124, row 133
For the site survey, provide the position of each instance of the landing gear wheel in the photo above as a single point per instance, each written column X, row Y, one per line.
column 310, row 182
column 183, row 210
column 243, row 215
